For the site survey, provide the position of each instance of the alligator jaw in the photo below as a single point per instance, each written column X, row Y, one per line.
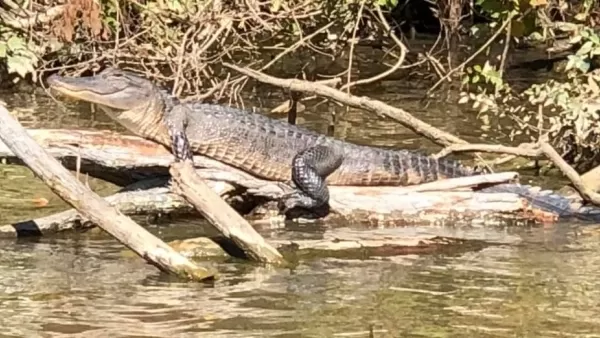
column 134, row 102
column 112, row 88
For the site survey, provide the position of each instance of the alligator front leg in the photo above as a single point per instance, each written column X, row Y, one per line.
column 176, row 121
column 310, row 169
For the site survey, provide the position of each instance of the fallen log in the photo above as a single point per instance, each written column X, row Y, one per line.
column 420, row 208
column 121, row 227
column 115, row 158
column 130, row 158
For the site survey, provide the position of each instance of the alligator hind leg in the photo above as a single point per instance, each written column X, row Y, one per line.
column 310, row 169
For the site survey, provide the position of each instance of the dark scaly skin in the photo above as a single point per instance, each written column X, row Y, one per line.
column 268, row 148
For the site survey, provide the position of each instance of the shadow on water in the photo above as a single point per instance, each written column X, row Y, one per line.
column 540, row 283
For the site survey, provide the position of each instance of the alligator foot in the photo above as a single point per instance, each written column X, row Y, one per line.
column 310, row 168
column 177, row 124
column 180, row 146
column 292, row 206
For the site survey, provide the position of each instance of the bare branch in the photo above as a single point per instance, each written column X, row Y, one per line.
column 524, row 150
column 375, row 106
column 587, row 193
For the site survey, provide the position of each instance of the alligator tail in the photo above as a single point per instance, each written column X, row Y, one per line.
column 546, row 200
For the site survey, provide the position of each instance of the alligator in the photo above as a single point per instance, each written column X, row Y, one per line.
column 273, row 149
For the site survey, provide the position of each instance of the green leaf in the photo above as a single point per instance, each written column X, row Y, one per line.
column 275, row 5
column 575, row 39
column 2, row 49
column 387, row 3
column 14, row 43
column 585, row 33
column 20, row 65
column 586, row 48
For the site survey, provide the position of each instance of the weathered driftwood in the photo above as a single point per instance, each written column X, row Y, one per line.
column 228, row 222
column 130, row 158
column 452, row 207
column 92, row 206
column 112, row 157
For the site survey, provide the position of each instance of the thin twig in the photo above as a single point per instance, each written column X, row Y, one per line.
column 117, row 30
column 225, row 25
column 470, row 58
column 176, row 91
column 506, row 46
column 352, row 44
column 395, row 67
column 296, row 45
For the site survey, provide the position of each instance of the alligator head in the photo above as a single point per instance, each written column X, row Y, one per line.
column 131, row 100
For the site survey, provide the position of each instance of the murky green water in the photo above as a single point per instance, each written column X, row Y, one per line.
column 538, row 283
column 543, row 287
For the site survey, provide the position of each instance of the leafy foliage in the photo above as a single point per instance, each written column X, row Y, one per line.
column 565, row 112
column 178, row 42
column 17, row 54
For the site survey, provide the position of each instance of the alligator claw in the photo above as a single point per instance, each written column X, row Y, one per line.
column 181, row 147
column 288, row 202
column 297, row 204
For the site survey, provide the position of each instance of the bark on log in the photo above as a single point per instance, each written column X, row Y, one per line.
column 112, row 157
column 130, row 158
column 121, row 227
